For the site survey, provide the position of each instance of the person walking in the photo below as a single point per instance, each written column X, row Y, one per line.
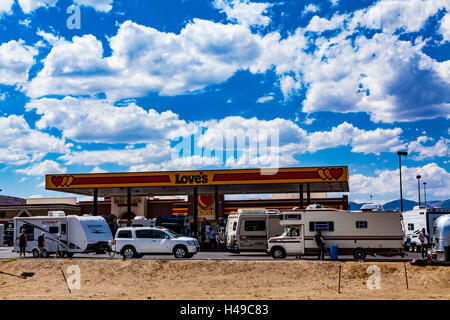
column 23, row 241
column 320, row 244
column 424, row 240
column 41, row 244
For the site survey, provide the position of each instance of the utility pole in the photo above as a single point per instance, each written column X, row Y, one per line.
column 400, row 154
column 425, row 192
column 418, row 185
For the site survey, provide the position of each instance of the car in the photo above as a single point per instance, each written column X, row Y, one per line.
column 135, row 242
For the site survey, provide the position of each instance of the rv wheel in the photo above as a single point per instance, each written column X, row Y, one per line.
column 35, row 253
column 278, row 253
column 359, row 254
column 68, row 254
column 128, row 252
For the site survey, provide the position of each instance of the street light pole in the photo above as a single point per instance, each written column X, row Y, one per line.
column 418, row 185
column 425, row 192
column 400, row 154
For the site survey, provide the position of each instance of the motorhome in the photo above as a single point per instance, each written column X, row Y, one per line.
column 441, row 232
column 416, row 219
column 356, row 233
column 249, row 229
column 67, row 234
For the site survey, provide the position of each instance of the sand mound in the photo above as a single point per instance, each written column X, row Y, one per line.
column 200, row 279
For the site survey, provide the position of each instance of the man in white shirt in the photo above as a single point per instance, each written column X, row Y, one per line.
column 423, row 237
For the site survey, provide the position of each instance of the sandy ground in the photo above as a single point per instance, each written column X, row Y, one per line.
column 231, row 280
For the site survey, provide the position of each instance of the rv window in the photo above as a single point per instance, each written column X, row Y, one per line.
column 63, row 229
column 255, row 225
column 29, row 230
column 124, row 234
column 53, row 230
column 234, row 225
column 293, row 217
column 322, row 225
column 410, row 226
column 361, row 224
column 146, row 234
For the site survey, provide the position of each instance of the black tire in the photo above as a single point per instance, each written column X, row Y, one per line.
column 35, row 253
column 278, row 253
column 68, row 254
column 189, row 255
column 128, row 252
column 180, row 252
column 359, row 254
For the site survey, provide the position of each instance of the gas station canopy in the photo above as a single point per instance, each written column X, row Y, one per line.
column 241, row 181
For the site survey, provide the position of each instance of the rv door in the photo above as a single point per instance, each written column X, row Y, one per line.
column 62, row 228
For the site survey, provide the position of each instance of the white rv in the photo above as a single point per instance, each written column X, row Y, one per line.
column 77, row 234
column 356, row 233
column 416, row 219
column 249, row 229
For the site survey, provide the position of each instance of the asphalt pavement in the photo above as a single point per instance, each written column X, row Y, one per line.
column 6, row 253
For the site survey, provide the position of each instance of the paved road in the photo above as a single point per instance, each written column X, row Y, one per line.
column 6, row 253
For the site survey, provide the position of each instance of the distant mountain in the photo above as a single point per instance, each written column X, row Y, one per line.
column 407, row 204
column 5, row 200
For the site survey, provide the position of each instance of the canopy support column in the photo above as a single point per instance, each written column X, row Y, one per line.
column 195, row 211
column 129, row 207
column 301, row 195
column 95, row 202
column 308, row 194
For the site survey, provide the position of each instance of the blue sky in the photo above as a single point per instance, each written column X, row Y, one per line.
column 338, row 83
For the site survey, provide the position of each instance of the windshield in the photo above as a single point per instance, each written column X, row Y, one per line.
column 173, row 234
column 291, row 232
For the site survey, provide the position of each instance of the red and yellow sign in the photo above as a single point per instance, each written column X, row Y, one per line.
column 197, row 178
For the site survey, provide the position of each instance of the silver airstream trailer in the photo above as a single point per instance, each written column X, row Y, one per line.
column 441, row 233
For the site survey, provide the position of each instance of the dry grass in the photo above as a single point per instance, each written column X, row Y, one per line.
column 235, row 280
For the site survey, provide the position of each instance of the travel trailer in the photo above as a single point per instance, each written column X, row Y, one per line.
column 416, row 219
column 441, row 232
column 140, row 221
column 77, row 234
column 249, row 229
column 355, row 233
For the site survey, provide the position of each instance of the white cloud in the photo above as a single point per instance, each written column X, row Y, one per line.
column 16, row 59
column 145, row 60
column 245, row 12
column 97, row 169
column 390, row 15
column 444, row 29
column 310, row 8
column 387, row 182
column 98, row 5
column 19, row 144
column 43, row 168
column 107, row 123
column 6, row 7
column 29, row 6
column 361, row 141
column 439, row 149
column 264, row 99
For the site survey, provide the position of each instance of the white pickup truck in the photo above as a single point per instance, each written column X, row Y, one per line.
column 132, row 242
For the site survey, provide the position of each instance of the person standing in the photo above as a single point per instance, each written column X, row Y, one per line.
column 23, row 241
column 212, row 239
column 41, row 244
column 424, row 240
column 320, row 244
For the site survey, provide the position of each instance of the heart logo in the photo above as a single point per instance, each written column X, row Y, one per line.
column 330, row 174
column 57, row 180
column 61, row 181
column 205, row 200
column 336, row 173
